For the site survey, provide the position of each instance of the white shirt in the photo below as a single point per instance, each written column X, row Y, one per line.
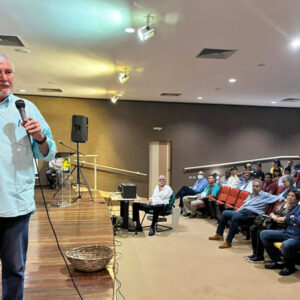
column 161, row 196
column 56, row 163
column 233, row 181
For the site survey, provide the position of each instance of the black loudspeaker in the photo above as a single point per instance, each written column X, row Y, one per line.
column 79, row 129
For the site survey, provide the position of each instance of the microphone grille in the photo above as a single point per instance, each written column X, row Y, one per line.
column 20, row 104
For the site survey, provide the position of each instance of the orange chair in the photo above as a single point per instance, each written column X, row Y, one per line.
column 223, row 195
column 232, row 198
column 280, row 188
column 243, row 195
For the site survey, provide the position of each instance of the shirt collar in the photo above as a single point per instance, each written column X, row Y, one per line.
column 8, row 99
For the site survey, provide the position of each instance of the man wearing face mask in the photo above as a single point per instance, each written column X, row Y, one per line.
column 197, row 188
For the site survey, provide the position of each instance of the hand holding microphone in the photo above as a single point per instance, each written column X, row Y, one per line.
column 32, row 126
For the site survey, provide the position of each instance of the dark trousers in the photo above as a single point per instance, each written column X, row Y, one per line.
column 184, row 191
column 237, row 218
column 211, row 207
column 52, row 179
column 13, row 252
column 257, row 244
column 289, row 247
column 157, row 209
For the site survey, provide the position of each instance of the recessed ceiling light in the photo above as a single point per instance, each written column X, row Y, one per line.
column 295, row 43
column 22, row 91
column 232, row 80
column 129, row 30
column 273, row 102
column 200, row 98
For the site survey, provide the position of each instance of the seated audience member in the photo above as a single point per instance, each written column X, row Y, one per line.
column 246, row 185
column 288, row 182
column 276, row 165
column 247, row 169
column 274, row 221
column 268, row 185
column 224, row 179
column 233, row 180
column 276, row 175
column 258, row 173
column 158, row 203
column 256, row 204
column 290, row 164
column 55, row 166
column 197, row 188
column 190, row 204
column 287, row 171
column 290, row 238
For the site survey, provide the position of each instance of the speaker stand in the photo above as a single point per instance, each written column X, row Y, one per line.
column 79, row 172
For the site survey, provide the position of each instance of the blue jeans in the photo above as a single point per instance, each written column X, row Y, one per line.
column 185, row 191
column 290, row 246
column 237, row 218
column 13, row 251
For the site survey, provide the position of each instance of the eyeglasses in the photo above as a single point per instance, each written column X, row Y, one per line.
column 161, row 179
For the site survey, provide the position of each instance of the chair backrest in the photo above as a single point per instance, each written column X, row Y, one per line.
column 171, row 204
column 243, row 195
column 232, row 197
column 223, row 195
column 280, row 188
column 273, row 207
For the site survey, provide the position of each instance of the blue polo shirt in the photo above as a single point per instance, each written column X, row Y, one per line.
column 16, row 160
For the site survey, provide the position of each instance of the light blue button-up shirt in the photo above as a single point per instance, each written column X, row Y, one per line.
column 259, row 203
column 16, row 159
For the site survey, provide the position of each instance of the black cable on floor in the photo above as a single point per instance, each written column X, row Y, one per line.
column 119, row 283
column 52, row 227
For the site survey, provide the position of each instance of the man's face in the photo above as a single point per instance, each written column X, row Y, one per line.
column 249, row 167
column 247, row 176
column 211, row 180
column 256, row 188
column 267, row 178
column 233, row 172
column 6, row 79
column 289, row 163
column 162, row 181
column 258, row 167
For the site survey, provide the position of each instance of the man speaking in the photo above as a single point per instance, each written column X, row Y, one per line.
column 19, row 136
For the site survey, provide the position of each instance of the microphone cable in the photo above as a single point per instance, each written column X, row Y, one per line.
column 50, row 222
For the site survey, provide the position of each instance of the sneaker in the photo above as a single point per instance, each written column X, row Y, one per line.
column 193, row 216
column 250, row 256
column 274, row 265
column 216, row 237
column 186, row 214
column 139, row 228
column 287, row 271
column 256, row 259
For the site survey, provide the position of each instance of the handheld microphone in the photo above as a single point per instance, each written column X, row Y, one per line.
column 20, row 104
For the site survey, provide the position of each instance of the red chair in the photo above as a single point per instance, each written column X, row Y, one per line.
column 223, row 195
column 296, row 179
column 232, row 198
column 279, row 190
column 243, row 195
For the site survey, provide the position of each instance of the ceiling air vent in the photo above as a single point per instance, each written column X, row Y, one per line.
column 216, row 53
column 290, row 100
column 46, row 90
column 171, row 94
column 9, row 40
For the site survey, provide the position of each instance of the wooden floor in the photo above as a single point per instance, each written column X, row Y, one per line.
column 82, row 223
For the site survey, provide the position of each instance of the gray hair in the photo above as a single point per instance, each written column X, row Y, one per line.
column 257, row 180
column 3, row 58
column 288, row 178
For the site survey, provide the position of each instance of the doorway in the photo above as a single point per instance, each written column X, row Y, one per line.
column 159, row 163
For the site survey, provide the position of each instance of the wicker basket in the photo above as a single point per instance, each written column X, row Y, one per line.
column 90, row 258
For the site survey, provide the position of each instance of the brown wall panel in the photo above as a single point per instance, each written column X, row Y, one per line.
column 200, row 134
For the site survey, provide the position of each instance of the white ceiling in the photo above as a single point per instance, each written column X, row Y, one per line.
column 80, row 46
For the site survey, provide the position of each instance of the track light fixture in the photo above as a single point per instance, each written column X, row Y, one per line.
column 116, row 97
column 146, row 32
column 124, row 76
